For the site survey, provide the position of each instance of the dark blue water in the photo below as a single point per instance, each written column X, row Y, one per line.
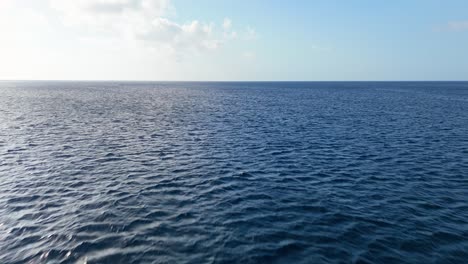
column 233, row 172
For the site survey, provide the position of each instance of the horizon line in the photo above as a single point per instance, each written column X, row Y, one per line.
column 219, row 81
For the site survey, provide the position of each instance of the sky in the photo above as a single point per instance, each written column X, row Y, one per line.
column 234, row 40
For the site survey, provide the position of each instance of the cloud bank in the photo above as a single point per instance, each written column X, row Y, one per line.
column 142, row 20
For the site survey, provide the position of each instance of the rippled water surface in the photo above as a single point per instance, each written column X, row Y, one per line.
column 233, row 172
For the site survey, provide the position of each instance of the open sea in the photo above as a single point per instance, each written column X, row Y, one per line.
column 219, row 172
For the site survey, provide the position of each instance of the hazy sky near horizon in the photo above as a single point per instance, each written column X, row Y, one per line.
column 234, row 40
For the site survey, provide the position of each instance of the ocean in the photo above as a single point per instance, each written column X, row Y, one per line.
column 233, row 172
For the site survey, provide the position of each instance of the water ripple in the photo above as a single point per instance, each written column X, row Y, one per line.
column 233, row 172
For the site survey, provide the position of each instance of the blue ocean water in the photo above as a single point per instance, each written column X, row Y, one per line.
column 320, row 172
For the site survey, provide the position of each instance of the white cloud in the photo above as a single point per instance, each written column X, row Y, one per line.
column 108, row 14
column 142, row 20
column 461, row 25
column 227, row 24
column 250, row 33
column 458, row 25
column 320, row 48
column 193, row 35
column 227, row 27
column 249, row 55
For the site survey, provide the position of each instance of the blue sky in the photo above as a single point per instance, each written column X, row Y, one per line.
column 233, row 40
